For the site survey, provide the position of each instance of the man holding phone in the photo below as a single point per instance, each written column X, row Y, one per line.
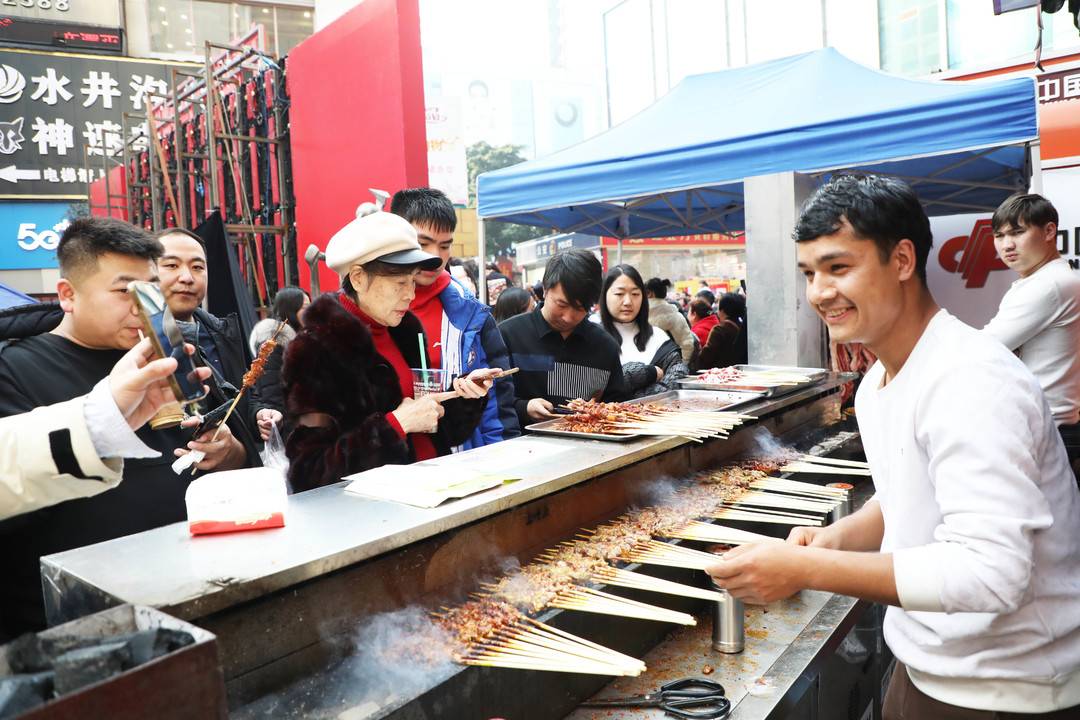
column 98, row 258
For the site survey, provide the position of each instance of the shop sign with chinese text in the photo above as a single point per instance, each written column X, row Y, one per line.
column 57, row 108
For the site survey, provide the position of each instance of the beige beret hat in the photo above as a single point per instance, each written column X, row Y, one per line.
column 379, row 236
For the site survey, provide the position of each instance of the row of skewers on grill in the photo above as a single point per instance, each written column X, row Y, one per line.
column 493, row 629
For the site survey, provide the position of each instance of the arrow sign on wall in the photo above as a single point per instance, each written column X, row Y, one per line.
column 14, row 174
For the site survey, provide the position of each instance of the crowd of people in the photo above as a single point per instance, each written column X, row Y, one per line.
column 969, row 434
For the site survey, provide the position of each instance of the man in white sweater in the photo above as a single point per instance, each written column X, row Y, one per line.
column 1039, row 317
column 973, row 536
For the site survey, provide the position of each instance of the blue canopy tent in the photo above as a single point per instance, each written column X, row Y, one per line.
column 679, row 165
column 10, row 297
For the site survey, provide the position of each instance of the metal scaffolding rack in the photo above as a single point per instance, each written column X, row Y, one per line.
column 218, row 139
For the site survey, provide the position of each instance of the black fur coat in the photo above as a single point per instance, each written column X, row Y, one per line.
column 332, row 367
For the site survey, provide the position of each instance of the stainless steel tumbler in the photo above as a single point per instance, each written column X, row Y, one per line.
column 728, row 632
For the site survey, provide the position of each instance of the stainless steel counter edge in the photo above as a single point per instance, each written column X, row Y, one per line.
column 191, row 577
column 797, row 664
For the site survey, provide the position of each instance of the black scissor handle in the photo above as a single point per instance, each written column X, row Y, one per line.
column 693, row 687
column 715, row 707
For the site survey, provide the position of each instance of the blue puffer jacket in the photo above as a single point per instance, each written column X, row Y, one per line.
column 470, row 340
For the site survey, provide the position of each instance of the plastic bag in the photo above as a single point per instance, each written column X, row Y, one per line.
column 273, row 454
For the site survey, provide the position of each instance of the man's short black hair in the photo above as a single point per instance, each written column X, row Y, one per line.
column 180, row 231
column 425, row 206
column 579, row 273
column 87, row 239
column 881, row 209
column 1024, row 209
column 707, row 295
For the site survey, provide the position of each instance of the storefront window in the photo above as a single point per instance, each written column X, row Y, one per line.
column 179, row 28
column 978, row 38
column 910, row 35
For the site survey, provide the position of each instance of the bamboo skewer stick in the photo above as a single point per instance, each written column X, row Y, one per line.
column 776, row 500
column 530, row 641
column 833, row 461
column 545, row 628
column 796, row 487
column 542, row 644
column 707, row 532
column 589, row 600
column 763, row 517
column 806, row 467
column 655, row 552
column 554, row 666
column 640, row 581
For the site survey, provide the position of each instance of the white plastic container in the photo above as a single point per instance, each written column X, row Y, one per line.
column 236, row 500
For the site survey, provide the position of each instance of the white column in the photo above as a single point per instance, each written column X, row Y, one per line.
column 1036, row 182
column 481, row 260
column 782, row 328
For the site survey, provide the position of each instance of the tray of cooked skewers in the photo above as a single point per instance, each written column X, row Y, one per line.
column 768, row 380
column 667, row 414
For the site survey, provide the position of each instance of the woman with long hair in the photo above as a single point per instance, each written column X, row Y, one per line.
column 513, row 301
column 268, row 397
column 652, row 362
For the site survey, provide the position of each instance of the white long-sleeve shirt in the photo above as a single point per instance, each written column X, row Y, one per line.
column 982, row 516
column 40, row 450
column 1039, row 318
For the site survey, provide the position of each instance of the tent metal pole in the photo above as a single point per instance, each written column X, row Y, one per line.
column 1035, row 158
column 481, row 253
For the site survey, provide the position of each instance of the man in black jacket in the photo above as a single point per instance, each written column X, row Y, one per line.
column 219, row 342
column 51, row 354
column 560, row 354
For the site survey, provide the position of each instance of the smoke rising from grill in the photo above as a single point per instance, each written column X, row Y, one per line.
column 660, row 491
column 765, row 444
column 398, row 656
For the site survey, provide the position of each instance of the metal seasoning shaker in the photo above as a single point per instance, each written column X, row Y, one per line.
column 728, row 630
column 844, row 508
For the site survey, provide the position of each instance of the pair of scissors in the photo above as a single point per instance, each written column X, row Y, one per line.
column 687, row 698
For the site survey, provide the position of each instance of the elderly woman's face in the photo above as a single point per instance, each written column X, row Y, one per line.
column 384, row 298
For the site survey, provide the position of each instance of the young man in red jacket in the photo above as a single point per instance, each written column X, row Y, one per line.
column 461, row 332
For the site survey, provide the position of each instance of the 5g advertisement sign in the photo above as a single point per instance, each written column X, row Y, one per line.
column 30, row 232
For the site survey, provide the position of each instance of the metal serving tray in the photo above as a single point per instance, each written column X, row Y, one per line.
column 693, row 399
column 710, row 400
column 816, row 375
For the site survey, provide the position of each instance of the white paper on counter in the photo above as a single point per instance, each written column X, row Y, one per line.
column 424, row 486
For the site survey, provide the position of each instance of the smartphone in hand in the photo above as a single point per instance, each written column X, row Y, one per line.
column 160, row 326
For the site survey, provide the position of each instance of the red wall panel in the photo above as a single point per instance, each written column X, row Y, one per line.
column 357, row 116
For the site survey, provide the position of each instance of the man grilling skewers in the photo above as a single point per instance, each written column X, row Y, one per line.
column 348, row 374
column 972, row 537
column 1039, row 317
column 562, row 356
